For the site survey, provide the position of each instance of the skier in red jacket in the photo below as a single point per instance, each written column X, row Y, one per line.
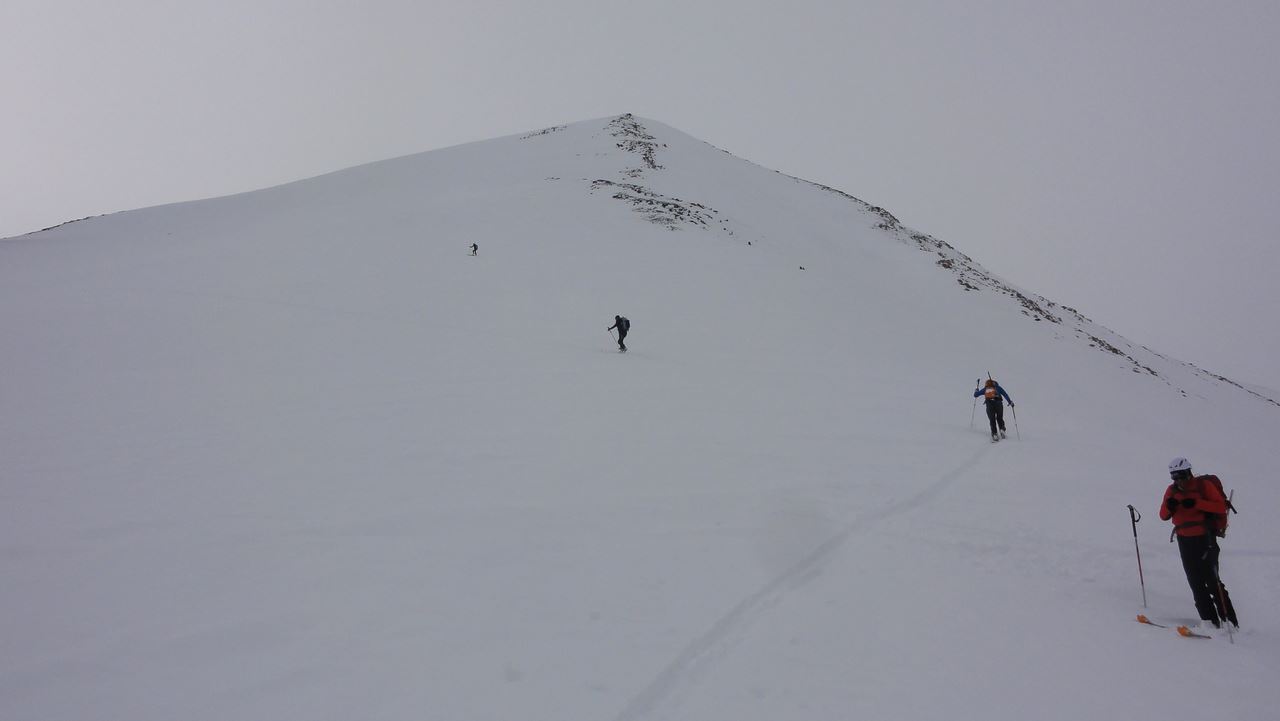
column 1198, row 510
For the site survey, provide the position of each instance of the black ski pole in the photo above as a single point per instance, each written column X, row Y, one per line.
column 1017, row 430
column 1134, row 517
column 1222, row 594
column 1217, row 565
column 976, row 384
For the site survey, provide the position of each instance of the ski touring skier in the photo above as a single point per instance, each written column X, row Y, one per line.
column 1198, row 510
column 474, row 248
column 993, row 397
column 623, row 325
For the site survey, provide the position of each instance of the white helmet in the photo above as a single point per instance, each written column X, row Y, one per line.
column 1179, row 464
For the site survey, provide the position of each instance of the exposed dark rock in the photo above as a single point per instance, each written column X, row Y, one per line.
column 660, row 209
column 544, row 131
column 59, row 225
column 633, row 138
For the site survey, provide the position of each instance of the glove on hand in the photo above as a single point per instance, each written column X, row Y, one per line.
column 1171, row 504
column 1188, row 503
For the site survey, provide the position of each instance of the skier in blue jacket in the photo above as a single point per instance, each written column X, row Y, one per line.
column 993, row 398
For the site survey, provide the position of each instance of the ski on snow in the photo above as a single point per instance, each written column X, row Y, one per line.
column 1182, row 630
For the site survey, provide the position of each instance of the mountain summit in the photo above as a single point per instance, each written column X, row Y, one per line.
column 663, row 176
column 298, row 453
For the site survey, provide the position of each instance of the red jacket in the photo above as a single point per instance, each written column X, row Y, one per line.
column 1191, row 521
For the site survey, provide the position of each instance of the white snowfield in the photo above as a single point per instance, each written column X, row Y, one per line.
column 295, row 454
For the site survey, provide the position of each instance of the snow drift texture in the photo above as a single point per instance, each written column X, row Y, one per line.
column 294, row 454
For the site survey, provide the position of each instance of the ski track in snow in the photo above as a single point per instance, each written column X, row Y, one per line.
column 679, row 677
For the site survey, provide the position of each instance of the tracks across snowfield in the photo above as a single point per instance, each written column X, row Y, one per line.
column 664, row 691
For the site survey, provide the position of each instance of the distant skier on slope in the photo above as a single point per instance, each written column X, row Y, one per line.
column 623, row 325
column 993, row 398
column 474, row 248
column 1198, row 510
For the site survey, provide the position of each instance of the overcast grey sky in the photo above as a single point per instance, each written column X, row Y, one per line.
column 1119, row 157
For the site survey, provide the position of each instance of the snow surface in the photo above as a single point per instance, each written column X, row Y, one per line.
column 294, row 454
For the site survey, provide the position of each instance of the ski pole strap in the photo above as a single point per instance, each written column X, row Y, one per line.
column 1134, row 515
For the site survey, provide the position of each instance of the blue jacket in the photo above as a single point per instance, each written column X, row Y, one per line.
column 999, row 392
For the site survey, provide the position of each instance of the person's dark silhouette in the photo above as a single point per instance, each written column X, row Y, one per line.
column 994, row 397
column 623, row 325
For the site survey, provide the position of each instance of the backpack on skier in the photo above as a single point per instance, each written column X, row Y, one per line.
column 1217, row 522
column 1214, row 522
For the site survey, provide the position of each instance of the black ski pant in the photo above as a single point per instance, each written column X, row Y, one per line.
column 1200, row 562
column 995, row 415
column 622, row 336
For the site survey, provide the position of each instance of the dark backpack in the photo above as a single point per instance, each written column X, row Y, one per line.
column 624, row 324
column 1218, row 523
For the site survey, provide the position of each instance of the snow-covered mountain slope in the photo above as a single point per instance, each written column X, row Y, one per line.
column 296, row 454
